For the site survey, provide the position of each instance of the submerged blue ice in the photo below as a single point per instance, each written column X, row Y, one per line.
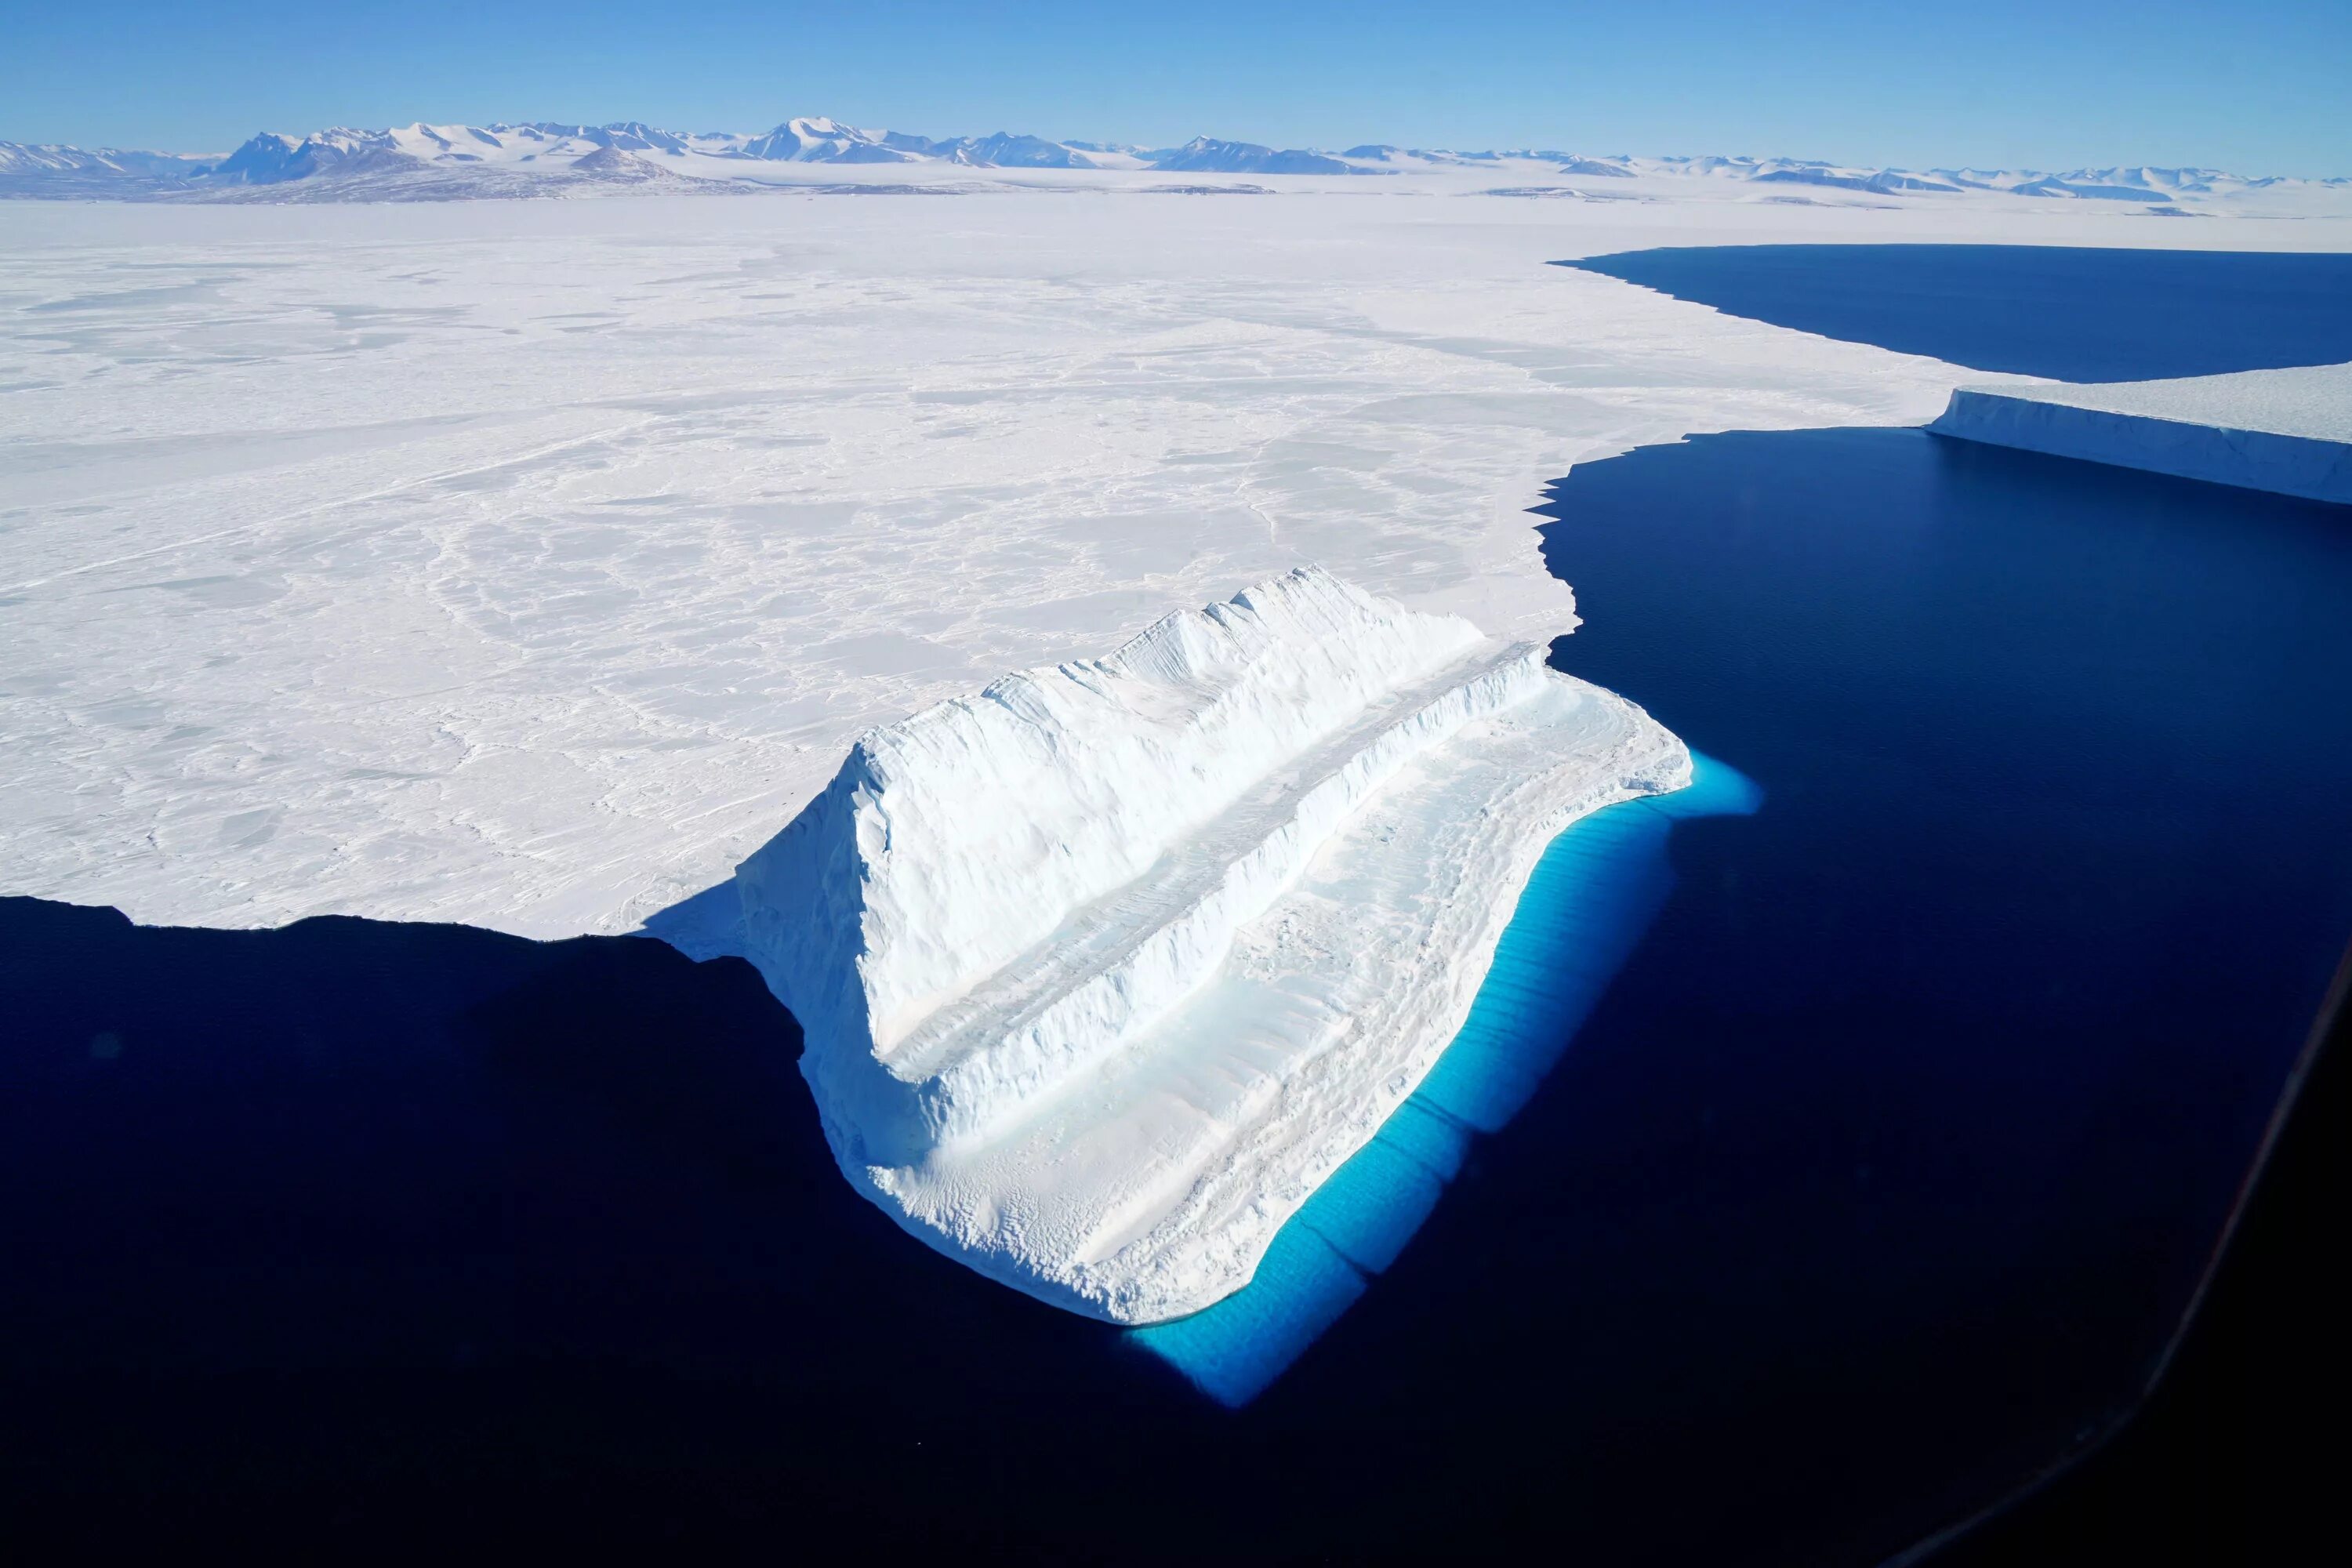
column 1585, row 907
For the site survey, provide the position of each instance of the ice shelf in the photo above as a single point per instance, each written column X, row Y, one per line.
column 2285, row 431
column 1105, row 970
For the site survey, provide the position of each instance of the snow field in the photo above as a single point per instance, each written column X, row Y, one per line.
column 525, row 565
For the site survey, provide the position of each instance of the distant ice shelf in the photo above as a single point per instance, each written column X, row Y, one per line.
column 1105, row 969
column 2285, row 431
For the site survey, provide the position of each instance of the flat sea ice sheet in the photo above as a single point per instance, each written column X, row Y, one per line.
column 1105, row 969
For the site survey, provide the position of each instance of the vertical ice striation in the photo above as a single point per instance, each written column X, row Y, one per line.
column 1084, row 1002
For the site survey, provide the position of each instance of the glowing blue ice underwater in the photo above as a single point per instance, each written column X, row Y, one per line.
column 1585, row 909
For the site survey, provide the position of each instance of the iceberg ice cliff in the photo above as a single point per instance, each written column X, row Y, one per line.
column 2285, row 431
column 1104, row 969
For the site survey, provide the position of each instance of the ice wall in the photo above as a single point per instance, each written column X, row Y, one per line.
column 2285, row 431
column 1051, row 944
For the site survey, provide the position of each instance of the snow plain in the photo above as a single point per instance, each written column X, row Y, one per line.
column 527, row 563
column 1104, row 969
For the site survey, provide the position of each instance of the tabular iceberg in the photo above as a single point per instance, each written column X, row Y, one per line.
column 2285, row 431
column 1104, row 970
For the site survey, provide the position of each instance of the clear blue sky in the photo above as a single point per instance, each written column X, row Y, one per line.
column 2260, row 86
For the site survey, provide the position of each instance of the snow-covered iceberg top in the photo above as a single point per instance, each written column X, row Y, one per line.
column 1104, row 969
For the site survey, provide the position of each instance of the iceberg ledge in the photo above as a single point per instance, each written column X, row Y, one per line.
column 1105, row 970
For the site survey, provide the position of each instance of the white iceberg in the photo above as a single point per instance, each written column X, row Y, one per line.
column 1105, row 970
column 2285, row 431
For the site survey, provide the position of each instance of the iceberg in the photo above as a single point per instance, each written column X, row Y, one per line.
column 2285, row 431
column 1104, row 970
column 1580, row 916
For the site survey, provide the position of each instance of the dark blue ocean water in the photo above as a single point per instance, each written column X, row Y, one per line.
column 1877, row 1170
column 2072, row 314
column 2055, row 864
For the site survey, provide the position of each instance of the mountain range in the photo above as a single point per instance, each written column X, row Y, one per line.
column 423, row 162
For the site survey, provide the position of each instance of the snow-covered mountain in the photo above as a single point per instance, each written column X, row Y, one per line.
column 1206, row 154
column 822, row 141
column 61, row 171
column 430, row 162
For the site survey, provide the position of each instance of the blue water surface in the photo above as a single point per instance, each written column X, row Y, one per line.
column 2068, row 313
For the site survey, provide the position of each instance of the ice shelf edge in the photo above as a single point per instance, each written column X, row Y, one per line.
column 2298, row 466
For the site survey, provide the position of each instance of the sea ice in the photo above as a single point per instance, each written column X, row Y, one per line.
column 526, row 563
column 1104, row 969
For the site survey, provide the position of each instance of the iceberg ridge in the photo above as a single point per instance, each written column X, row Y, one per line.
column 1103, row 969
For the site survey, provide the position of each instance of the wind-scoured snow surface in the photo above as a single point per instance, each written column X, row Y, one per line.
column 1105, row 969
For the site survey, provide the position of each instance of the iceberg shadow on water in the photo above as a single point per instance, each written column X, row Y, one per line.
column 1585, row 909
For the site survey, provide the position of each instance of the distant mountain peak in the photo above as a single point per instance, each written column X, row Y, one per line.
column 1210, row 156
